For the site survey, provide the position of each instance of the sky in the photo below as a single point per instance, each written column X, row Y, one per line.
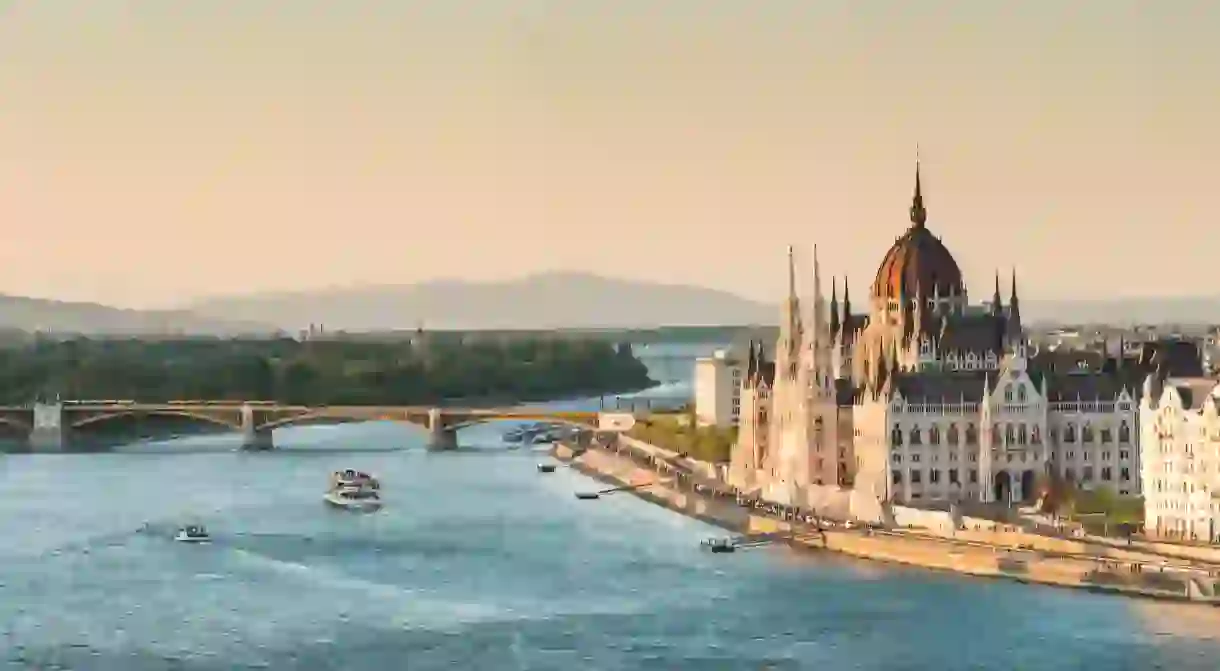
column 155, row 152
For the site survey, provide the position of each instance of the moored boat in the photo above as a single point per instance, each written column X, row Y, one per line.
column 546, row 468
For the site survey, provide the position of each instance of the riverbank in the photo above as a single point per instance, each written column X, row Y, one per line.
column 1024, row 558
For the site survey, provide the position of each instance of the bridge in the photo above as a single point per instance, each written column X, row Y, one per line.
column 52, row 426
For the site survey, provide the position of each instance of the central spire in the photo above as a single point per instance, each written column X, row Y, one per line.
column 918, row 214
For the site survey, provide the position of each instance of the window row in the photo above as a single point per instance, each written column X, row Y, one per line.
column 934, row 476
column 1008, row 434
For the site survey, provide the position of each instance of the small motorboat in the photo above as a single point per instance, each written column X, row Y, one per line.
column 546, row 468
column 353, row 478
column 193, row 533
column 588, row 496
column 357, row 499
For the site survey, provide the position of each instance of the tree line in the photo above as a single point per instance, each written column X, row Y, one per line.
column 317, row 372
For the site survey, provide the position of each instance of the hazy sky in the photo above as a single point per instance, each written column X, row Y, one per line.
column 155, row 151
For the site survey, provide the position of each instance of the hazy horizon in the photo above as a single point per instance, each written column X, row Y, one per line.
column 150, row 153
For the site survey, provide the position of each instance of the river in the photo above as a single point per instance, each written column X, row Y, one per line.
column 480, row 562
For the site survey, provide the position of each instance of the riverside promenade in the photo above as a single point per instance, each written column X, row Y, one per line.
column 681, row 485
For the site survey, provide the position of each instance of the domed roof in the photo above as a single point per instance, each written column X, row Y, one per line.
column 918, row 261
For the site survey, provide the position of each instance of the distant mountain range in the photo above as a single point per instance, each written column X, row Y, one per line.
column 37, row 314
column 548, row 300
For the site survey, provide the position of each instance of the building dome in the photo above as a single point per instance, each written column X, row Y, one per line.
column 918, row 261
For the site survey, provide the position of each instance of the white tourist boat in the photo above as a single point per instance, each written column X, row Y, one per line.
column 357, row 499
column 353, row 478
column 193, row 533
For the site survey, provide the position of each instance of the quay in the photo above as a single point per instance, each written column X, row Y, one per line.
column 1099, row 565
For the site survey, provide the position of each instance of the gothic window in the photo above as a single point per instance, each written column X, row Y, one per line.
column 1124, row 474
column 934, row 475
column 1107, row 435
column 1008, row 393
column 972, row 434
column 953, row 480
column 1022, row 437
column 1021, row 393
column 896, row 435
column 934, row 435
column 1105, row 473
column 915, row 477
column 916, row 435
column 1035, row 435
column 952, row 434
column 1086, row 433
column 897, row 476
column 1124, row 433
column 1010, row 437
column 1069, row 433
column 997, row 436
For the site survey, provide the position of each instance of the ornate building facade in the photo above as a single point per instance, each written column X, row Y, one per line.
column 1180, row 445
column 925, row 397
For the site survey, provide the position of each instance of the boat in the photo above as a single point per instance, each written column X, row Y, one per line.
column 353, row 478
column 720, row 545
column 193, row 533
column 588, row 496
column 546, row 468
column 357, row 499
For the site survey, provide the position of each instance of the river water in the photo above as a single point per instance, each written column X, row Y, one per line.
column 480, row 562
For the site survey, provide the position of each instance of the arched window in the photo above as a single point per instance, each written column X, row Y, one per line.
column 1086, row 433
column 1010, row 437
column 1035, row 435
column 1069, row 433
column 972, row 434
column 1008, row 393
column 1107, row 435
column 916, row 435
column 1124, row 433
column 997, row 435
column 934, row 435
column 1021, row 393
column 1022, row 437
column 953, row 435
column 896, row 435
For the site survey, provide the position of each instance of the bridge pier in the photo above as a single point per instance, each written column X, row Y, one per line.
column 252, row 437
column 48, row 433
column 439, row 436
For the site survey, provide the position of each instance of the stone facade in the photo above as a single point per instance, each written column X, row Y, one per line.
column 925, row 397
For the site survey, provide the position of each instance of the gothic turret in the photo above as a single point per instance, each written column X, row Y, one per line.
column 1016, row 333
column 787, row 355
column 834, row 307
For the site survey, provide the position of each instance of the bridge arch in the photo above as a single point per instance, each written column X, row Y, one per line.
column 580, row 420
column 201, row 418
column 328, row 416
column 15, row 425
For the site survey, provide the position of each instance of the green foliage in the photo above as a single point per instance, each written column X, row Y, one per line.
column 705, row 443
column 316, row 372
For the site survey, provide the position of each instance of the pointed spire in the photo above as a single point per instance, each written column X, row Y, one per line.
column 791, row 273
column 919, row 216
column 997, row 304
column 1016, row 333
column 834, row 306
column 845, row 323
